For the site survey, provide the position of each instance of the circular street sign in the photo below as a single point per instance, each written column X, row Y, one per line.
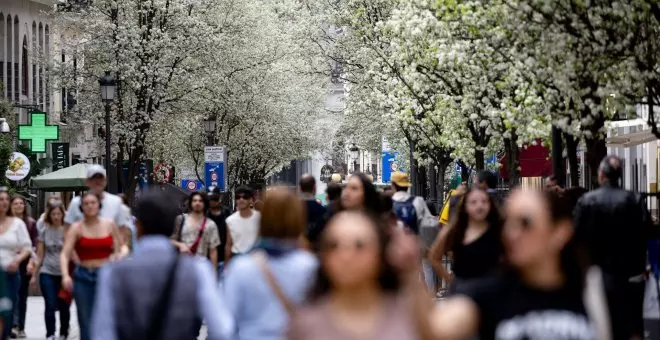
column 192, row 186
column 18, row 168
column 214, row 176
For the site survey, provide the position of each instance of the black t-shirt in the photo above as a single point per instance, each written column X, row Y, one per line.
column 509, row 310
column 220, row 221
column 479, row 257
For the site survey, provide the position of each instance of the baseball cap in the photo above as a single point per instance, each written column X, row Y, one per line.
column 400, row 179
column 95, row 170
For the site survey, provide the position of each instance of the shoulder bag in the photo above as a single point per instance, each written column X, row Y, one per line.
column 262, row 261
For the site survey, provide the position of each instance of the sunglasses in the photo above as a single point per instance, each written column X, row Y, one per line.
column 242, row 197
column 358, row 245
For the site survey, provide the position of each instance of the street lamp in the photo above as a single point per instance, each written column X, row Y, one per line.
column 108, row 88
column 209, row 127
column 4, row 127
column 355, row 153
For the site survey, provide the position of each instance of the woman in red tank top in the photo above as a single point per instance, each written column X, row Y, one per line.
column 96, row 241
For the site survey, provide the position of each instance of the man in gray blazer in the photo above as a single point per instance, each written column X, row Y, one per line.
column 157, row 294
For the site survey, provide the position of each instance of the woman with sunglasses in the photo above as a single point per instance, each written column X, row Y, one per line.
column 367, row 287
column 540, row 296
column 47, row 267
column 15, row 248
column 262, row 288
column 473, row 237
column 96, row 241
column 18, row 210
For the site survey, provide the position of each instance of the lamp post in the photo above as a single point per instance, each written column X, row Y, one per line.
column 355, row 153
column 209, row 127
column 108, row 88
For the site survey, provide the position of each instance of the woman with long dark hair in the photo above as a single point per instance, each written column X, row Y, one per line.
column 360, row 194
column 18, row 210
column 473, row 238
column 540, row 295
column 361, row 292
column 47, row 268
column 15, row 248
column 96, row 241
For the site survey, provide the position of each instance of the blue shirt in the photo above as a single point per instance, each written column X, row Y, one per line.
column 257, row 311
column 218, row 320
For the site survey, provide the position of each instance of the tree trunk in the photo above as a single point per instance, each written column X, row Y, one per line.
column 512, row 152
column 413, row 167
column 442, row 170
column 465, row 171
column 596, row 151
column 571, row 153
column 479, row 160
column 421, row 181
column 433, row 183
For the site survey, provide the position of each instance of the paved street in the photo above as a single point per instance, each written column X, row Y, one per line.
column 36, row 328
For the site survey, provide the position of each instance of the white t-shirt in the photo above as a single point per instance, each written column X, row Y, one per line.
column 13, row 240
column 243, row 231
column 111, row 208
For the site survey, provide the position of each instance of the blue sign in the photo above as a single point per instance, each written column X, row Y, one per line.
column 214, row 175
column 192, row 185
column 389, row 165
column 215, row 167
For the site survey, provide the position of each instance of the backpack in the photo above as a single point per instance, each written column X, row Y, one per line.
column 405, row 211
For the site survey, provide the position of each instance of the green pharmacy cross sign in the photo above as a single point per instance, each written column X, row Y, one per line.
column 38, row 132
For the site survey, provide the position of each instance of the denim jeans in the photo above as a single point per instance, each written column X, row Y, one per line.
column 50, row 288
column 429, row 275
column 13, row 284
column 84, row 292
column 21, row 309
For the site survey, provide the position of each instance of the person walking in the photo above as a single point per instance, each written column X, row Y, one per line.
column 15, row 248
column 411, row 210
column 363, row 289
column 96, row 241
column 111, row 205
column 47, row 269
column 172, row 293
column 546, row 291
column 195, row 233
column 313, row 209
column 262, row 287
column 219, row 215
column 487, row 181
column 242, row 226
column 611, row 229
column 474, row 239
column 18, row 210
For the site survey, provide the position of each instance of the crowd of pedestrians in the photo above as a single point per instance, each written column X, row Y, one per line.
column 281, row 265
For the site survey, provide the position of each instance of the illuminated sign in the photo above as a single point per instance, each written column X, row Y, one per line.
column 38, row 132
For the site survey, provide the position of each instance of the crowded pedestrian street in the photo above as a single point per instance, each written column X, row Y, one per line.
column 329, row 170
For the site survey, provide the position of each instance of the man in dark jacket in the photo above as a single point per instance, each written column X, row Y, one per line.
column 611, row 230
column 315, row 211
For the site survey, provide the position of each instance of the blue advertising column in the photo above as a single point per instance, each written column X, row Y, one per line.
column 215, row 168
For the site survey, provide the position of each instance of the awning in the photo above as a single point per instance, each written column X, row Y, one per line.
column 72, row 178
column 630, row 139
